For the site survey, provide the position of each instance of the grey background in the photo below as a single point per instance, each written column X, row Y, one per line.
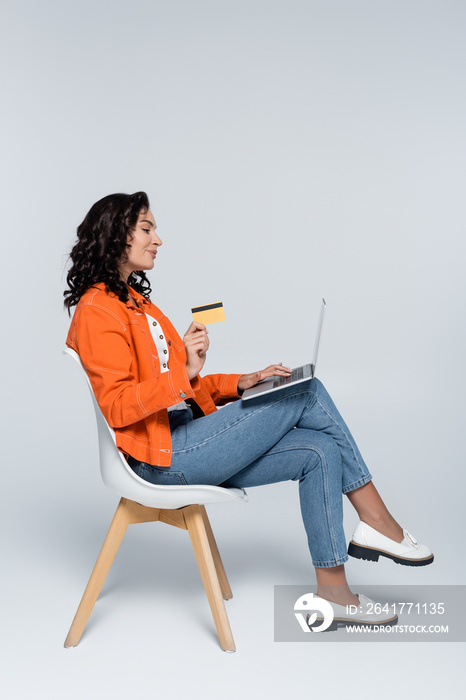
column 325, row 135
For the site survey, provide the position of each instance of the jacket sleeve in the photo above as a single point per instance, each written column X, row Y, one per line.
column 102, row 343
column 222, row 388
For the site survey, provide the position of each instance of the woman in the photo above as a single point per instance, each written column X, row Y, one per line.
column 147, row 382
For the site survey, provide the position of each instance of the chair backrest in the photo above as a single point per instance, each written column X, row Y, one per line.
column 118, row 476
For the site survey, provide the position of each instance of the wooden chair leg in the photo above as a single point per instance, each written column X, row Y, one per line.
column 116, row 532
column 222, row 577
column 202, row 550
column 195, row 519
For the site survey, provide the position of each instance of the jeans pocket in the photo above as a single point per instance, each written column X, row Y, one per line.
column 162, row 476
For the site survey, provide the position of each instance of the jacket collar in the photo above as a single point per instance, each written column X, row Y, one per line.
column 142, row 301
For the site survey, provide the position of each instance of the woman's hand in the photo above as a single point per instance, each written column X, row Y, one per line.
column 249, row 380
column 196, row 344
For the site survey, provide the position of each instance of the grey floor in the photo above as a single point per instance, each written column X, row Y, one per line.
column 151, row 632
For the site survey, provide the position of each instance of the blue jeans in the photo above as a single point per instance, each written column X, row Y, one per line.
column 296, row 433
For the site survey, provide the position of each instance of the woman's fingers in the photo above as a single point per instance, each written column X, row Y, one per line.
column 196, row 339
column 248, row 380
column 275, row 370
column 196, row 333
column 195, row 326
column 197, row 347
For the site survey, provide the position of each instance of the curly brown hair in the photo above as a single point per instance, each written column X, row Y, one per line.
column 101, row 248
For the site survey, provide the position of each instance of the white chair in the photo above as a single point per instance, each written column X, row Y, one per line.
column 181, row 506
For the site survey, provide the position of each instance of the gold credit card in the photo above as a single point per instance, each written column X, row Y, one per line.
column 210, row 313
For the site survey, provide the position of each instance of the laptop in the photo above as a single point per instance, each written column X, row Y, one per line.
column 298, row 375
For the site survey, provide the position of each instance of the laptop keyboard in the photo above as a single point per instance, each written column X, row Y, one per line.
column 297, row 373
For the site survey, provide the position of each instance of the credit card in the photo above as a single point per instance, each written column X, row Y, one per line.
column 210, row 313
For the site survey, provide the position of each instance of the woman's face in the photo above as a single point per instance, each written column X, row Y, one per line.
column 143, row 243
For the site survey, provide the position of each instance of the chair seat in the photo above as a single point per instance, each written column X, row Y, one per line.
column 154, row 496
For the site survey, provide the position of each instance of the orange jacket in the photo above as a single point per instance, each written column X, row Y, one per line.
column 118, row 352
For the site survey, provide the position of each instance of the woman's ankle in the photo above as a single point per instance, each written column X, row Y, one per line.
column 341, row 595
column 372, row 510
column 333, row 586
column 386, row 526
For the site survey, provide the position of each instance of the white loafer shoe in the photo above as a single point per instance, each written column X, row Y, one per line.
column 369, row 544
column 364, row 614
